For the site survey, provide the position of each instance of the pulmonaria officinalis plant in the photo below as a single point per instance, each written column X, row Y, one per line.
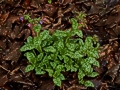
column 61, row 52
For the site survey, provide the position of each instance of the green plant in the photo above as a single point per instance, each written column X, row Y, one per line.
column 49, row 1
column 61, row 52
column 30, row 20
column 81, row 18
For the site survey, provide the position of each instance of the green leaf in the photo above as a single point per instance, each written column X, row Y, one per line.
column 80, row 15
column 71, row 46
column 39, row 71
column 29, row 68
column 60, row 57
column 78, row 55
column 74, row 23
column 96, row 55
column 76, row 65
column 93, row 74
column 60, row 34
column 44, row 35
column 56, row 73
column 93, row 61
column 80, row 74
column 81, row 81
column 53, row 64
column 27, row 17
column 88, row 41
column 48, row 41
column 70, row 54
column 86, row 67
column 80, row 41
column 27, row 47
column 44, row 43
column 79, row 33
column 88, row 84
column 97, row 46
column 45, row 60
column 49, row 49
column 90, row 60
column 68, row 67
column 36, row 20
column 37, row 41
column 57, row 81
column 62, row 77
column 40, row 65
column 96, row 63
column 50, row 72
column 57, row 61
column 95, row 39
column 31, row 57
column 40, row 56
column 30, row 21
column 73, row 69
column 49, row 1
column 59, row 45
column 66, row 59
column 29, row 39
column 55, row 57
column 60, row 67
column 92, row 53
column 37, row 28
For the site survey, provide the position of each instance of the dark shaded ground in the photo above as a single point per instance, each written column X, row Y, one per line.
column 103, row 19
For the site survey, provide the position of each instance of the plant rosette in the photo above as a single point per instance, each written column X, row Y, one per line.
column 60, row 52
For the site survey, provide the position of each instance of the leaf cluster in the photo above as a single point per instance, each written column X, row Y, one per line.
column 30, row 20
column 81, row 18
column 61, row 52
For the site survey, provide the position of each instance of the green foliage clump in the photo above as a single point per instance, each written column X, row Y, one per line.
column 61, row 52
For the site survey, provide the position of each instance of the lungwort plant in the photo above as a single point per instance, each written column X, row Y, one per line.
column 61, row 52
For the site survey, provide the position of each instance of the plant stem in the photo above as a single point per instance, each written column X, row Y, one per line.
column 40, row 49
